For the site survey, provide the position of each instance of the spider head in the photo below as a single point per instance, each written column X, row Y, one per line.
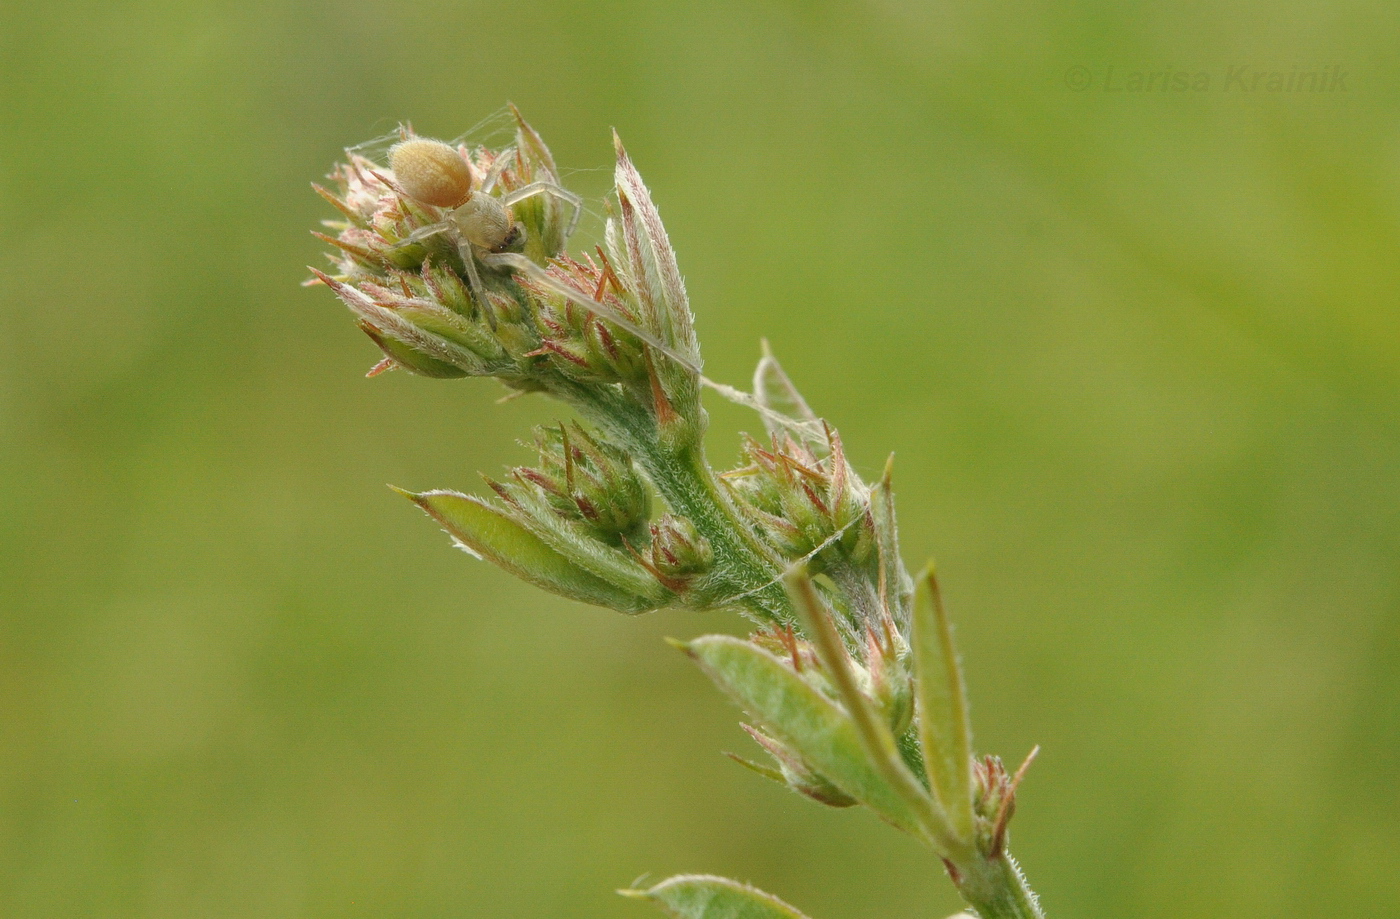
column 488, row 224
column 513, row 238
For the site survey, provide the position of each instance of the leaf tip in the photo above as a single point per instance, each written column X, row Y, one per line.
column 681, row 646
column 888, row 477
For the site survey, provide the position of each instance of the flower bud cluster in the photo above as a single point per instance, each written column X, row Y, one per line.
column 678, row 552
column 883, row 672
column 400, row 271
column 591, row 482
column 805, row 500
column 994, row 800
column 583, row 513
column 452, row 259
column 582, row 345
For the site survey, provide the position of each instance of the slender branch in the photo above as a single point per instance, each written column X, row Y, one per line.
column 879, row 742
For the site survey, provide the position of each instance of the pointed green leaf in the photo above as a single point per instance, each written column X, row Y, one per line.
column 444, row 323
column 700, row 896
column 804, row 719
column 943, row 722
column 574, row 543
column 532, row 144
column 491, row 534
column 411, row 359
column 774, row 390
column 400, row 339
column 652, row 261
column 897, row 583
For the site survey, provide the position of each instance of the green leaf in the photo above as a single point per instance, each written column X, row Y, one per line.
column 897, row 582
column 943, row 723
column 444, row 323
column 573, row 542
column 411, row 359
column 492, row 535
column 652, row 262
column 415, row 348
column 774, row 390
column 700, row 896
column 805, row 720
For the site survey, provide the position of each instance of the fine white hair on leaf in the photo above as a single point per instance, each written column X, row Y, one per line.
column 458, row 544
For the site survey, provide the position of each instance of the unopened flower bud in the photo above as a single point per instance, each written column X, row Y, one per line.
column 581, row 344
column 805, row 503
column 592, row 482
column 891, row 682
column 678, row 550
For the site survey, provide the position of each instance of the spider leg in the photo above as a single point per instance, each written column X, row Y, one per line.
column 464, row 249
column 547, row 188
column 422, row 233
column 544, row 279
column 497, row 166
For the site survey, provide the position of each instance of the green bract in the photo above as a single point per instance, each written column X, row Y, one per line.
column 700, row 896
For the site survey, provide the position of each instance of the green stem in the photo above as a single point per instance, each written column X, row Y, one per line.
column 995, row 887
column 688, row 485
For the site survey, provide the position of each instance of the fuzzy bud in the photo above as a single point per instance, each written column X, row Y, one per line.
column 678, row 551
column 581, row 344
column 592, row 482
column 891, row 680
column 804, row 502
column 407, row 251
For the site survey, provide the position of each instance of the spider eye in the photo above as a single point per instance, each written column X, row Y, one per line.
column 431, row 172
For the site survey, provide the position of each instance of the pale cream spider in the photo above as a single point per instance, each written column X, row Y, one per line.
column 483, row 226
column 479, row 222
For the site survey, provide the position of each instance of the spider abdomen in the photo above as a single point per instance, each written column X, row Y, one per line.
column 430, row 171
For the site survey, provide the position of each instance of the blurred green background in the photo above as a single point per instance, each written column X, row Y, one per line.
column 1138, row 354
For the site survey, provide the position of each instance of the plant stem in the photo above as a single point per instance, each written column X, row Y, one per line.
column 995, row 887
column 687, row 483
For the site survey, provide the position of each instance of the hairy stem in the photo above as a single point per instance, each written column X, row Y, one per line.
column 687, row 483
column 995, row 887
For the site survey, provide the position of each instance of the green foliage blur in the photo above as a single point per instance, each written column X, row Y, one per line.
column 1138, row 353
